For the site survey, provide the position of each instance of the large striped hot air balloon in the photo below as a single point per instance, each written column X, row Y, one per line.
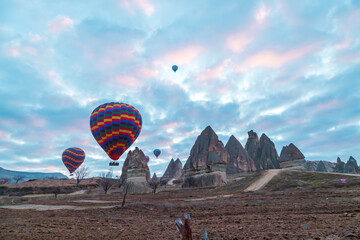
column 73, row 158
column 115, row 126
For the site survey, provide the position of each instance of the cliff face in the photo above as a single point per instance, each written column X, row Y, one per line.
column 291, row 156
column 206, row 165
column 239, row 159
column 251, row 147
column 174, row 172
column 135, row 173
column 267, row 155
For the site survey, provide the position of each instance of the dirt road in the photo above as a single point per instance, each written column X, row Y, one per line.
column 263, row 180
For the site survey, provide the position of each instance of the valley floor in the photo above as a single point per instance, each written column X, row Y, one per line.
column 330, row 213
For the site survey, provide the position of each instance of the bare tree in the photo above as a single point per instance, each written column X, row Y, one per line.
column 126, row 190
column 106, row 181
column 18, row 178
column 81, row 173
column 154, row 185
column 4, row 180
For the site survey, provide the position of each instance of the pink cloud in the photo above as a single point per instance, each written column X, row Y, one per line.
column 126, row 80
column 327, row 105
column 171, row 125
column 343, row 45
column 4, row 136
column 214, row 72
column 37, row 122
column 353, row 57
column 60, row 24
column 112, row 55
column 238, row 41
column 262, row 13
column 147, row 72
column 184, row 55
column 270, row 59
column 144, row 5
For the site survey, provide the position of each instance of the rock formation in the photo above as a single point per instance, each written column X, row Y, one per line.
column 266, row 154
column 321, row 167
column 340, row 166
column 135, row 174
column 174, row 172
column 251, row 147
column 263, row 152
column 207, row 163
column 314, row 166
column 291, row 156
column 154, row 178
column 239, row 159
column 351, row 166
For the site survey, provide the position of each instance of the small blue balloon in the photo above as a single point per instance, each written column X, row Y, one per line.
column 174, row 68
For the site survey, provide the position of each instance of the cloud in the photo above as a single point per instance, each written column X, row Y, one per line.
column 144, row 5
column 262, row 13
column 60, row 24
column 183, row 55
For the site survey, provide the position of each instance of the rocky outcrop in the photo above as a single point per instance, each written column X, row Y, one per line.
column 263, row 152
column 321, row 167
column 239, row 160
column 351, row 166
column 266, row 154
column 154, row 179
column 251, row 147
column 173, row 173
column 291, row 156
column 314, row 166
column 340, row 166
column 207, row 163
column 135, row 174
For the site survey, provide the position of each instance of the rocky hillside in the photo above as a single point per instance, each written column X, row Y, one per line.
column 25, row 176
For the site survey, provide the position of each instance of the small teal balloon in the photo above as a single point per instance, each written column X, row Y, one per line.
column 157, row 152
column 174, row 68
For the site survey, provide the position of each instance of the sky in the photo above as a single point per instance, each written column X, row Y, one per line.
column 289, row 69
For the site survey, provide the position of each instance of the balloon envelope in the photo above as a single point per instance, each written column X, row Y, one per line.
column 174, row 68
column 147, row 159
column 157, row 152
column 115, row 126
column 73, row 158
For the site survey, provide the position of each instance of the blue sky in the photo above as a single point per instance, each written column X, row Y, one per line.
column 290, row 69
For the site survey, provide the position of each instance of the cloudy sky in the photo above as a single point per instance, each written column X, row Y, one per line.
column 290, row 69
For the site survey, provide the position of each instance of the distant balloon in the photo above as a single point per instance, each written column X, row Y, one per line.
column 157, row 152
column 174, row 68
column 115, row 126
column 73, row 158
column 147, row 159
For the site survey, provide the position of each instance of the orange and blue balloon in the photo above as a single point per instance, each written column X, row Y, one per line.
column 73, row 158
column 115, row 126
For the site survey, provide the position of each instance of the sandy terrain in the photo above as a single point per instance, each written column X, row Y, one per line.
column 320, row 208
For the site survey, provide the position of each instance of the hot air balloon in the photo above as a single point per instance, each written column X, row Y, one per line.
column 115, row 126
column 157, row 152
column 174, row 68
column 147, row 159
column 73, row 158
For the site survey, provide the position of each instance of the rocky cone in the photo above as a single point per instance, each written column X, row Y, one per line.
column 291, row 156
column 239, row 160
column 173, row 174
column 207, row 163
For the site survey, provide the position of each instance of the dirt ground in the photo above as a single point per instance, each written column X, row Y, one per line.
column 226, row 213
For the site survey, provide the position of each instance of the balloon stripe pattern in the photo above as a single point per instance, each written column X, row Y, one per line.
column 73, row 158
column 115, row 126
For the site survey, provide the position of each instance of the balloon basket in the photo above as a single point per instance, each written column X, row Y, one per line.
column 71, row 174
column 113, row 164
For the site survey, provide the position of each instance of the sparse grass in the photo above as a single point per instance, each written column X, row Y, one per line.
column 239, row 185
column 308, row 180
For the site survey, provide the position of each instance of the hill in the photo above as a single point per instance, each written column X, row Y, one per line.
column 4, row 173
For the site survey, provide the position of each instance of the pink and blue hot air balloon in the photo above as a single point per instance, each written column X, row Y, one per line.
column 147, row 159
